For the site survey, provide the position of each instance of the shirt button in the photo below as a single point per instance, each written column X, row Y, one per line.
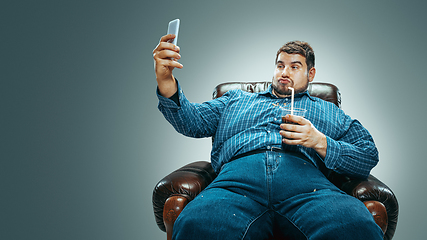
column 268, row 147
column 275, row 119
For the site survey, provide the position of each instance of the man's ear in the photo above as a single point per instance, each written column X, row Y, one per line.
column 311, row 74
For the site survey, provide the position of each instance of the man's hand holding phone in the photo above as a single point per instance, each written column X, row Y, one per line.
column 165, row 57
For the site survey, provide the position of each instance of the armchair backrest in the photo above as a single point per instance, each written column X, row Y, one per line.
column 325, row 91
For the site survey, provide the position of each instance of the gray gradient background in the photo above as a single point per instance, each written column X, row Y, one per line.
column 82, row 141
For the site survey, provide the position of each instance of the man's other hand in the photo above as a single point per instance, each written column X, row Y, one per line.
column 303, row 133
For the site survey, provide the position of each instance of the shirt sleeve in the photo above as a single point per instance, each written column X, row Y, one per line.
column 175, row 98
column 354, row 153
column 196, row 120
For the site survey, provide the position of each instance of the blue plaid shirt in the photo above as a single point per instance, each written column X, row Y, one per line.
column 242, row 121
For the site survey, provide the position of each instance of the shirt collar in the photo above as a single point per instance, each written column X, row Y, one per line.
column 269, row 92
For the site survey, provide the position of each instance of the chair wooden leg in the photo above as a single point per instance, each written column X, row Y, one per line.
column 173, row 207
column 379, row 213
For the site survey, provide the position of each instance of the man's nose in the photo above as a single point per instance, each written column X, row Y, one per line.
column 285, row 72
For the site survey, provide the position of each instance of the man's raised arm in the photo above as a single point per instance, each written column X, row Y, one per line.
column 165, row 60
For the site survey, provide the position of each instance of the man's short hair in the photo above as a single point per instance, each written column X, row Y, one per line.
column 298, row 47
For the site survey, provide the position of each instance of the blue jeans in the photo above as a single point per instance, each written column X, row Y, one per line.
column 274, row 194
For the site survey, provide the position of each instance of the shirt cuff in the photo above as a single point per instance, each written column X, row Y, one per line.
column 333, row 154
column 175, row 98
column 172, row 102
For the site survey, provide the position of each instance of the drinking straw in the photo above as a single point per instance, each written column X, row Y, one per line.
column 292, row 100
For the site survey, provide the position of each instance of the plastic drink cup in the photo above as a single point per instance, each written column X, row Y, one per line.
column 296, row 112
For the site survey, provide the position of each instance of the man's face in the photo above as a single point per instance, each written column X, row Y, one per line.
column 291, row 71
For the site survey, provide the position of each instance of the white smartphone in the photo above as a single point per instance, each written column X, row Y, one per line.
column 173, row 28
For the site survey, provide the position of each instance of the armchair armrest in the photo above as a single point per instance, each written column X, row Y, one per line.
column 377, row 197
column 174, row 191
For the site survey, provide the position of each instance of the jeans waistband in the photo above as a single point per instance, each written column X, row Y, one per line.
column 273, row 149
column 256, row 151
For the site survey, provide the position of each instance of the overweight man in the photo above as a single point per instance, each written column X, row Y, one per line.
column 272, row 176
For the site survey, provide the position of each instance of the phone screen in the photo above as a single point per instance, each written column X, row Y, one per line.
column 173, row 28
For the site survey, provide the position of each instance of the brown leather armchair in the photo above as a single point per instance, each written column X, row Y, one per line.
column 173, row 192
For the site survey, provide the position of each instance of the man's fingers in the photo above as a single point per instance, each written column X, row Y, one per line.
column 165, row 43
column 291, row 127
column 165, row 47
column 292, row 138
column 167, row 58
column 295, row 119
column 167, row 38
column 291, row 141
column 169, row 63
column 291, row 135
column 168, row 46
column 166, row 54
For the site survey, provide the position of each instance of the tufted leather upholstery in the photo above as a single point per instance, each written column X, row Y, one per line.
column 174, row 191
column 325, row 91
